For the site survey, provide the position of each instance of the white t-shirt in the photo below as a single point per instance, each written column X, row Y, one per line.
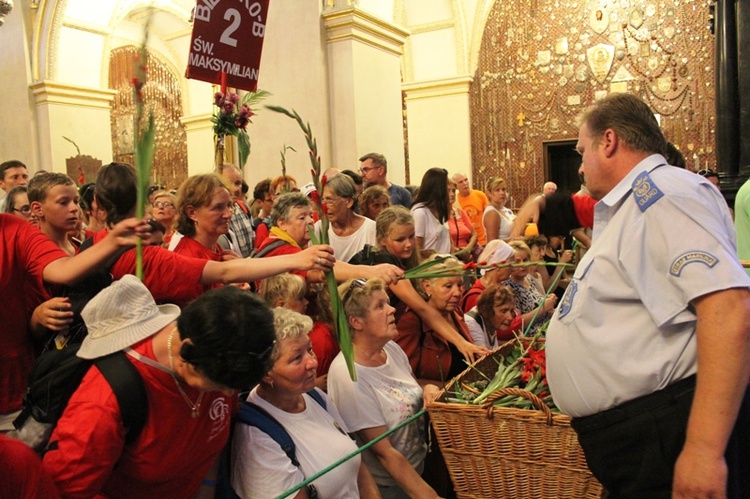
column 261, row 469
column 381, row 396
column 478, row 334
column 344, row 248
column 436, row 236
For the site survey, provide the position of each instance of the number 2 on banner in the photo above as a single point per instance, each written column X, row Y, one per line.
column 226, row 36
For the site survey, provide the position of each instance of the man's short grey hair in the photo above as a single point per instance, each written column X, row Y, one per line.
column 377, row 159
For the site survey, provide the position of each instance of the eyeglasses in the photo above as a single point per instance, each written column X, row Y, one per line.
column 356, row 284
column 23, row 209
column 163, row 204
column 363, row 170
column 330, row 200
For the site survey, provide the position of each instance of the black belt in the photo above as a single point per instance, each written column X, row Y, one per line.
column 635, row 407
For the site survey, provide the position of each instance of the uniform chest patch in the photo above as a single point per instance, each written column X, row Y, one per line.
column 681, row 261
column 645, row 191
column 567, row 302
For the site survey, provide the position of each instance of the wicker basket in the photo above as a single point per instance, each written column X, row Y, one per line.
column 500, row 452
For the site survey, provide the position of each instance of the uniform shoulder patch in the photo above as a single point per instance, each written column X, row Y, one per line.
column 681, row 261
column 645, row 191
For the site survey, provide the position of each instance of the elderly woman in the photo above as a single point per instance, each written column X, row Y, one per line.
column 528, row 299
column 373, row 200
column 260, row 467
column 385, row 393
column 291, row 217
column 495, row 318
column 190, row 368
column 164, row 211
column 290, row 291
column 348, row 231
column 496, row 252
column 497, row 218
column 18, row 203
column 432, row 357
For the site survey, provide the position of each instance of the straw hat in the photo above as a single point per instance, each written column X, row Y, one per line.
column 121, row 315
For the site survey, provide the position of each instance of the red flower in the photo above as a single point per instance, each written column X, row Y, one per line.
column 323, row 181
column 233, row 97
column 315, row 196
column 218, row 99
column 526, row 376
column 469, row 266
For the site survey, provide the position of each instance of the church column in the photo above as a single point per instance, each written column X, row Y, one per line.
column 200, row 136
column 437, row 114
column 727, row 93
column 364, row 73
column 79, row 113
column 743, row 70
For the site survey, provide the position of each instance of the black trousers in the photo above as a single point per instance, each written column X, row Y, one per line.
column 632, row 448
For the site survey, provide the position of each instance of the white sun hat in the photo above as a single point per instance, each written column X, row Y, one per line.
column 122, row 315
column 496, row 251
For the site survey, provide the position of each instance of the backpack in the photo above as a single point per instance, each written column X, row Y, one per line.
column 81, row 293
column 56, row 376
column 254, row 415
column 268, row 248
column 58, row 372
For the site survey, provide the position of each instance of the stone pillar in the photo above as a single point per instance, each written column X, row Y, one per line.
column 439, row 125
column 200, row 137
column 364, row 73
column 79, row 113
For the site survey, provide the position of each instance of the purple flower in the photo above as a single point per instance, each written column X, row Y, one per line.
column 233, row 97
column 227, row 107
column 218, row 99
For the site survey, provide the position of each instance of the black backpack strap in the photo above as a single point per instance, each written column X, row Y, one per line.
column 127, row 385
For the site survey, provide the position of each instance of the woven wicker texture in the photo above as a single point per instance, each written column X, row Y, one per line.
column 505, row 452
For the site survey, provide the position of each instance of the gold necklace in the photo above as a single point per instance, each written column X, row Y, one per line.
column 194, row 407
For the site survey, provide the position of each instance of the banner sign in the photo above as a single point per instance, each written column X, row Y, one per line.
column 227, row 38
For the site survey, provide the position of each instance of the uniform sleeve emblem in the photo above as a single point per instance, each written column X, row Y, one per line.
column 645, row 191
column 681, row 261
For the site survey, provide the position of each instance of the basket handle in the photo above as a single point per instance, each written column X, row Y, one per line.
column 538, row 403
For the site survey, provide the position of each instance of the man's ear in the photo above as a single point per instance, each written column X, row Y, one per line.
column 610, row 142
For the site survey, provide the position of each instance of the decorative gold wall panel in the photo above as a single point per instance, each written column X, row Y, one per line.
column 163, row 97
column 543, row 61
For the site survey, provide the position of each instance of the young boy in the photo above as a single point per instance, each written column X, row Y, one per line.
column 53, row 198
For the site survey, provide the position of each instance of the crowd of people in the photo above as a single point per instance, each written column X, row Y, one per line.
column 231, row 323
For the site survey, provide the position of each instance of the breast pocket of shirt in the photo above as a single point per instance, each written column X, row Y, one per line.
column 574, row 298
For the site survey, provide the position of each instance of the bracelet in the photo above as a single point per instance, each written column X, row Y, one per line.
column 208, row 483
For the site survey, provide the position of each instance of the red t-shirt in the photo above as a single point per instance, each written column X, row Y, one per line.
column 470, row 298
column 24, row 253
column 171, row 456
column 192, row 248
column 168, row 276
column 284, row 249
column 21, row 475
column 324, row 345
column 459, row 228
